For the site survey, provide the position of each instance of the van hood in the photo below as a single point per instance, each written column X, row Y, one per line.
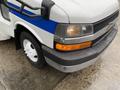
column 87, row 11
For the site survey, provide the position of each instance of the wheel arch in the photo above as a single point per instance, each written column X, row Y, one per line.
column 20, row 27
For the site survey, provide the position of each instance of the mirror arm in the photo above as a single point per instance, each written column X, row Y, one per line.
column 22, row 7
column 9, row 6
column 25, row 4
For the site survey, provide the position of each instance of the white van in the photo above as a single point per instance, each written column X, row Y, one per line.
column 67, row 34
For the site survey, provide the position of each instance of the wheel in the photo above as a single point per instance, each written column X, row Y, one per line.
column 32, row 49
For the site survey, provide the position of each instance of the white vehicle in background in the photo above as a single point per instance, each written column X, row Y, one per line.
column 67, row 34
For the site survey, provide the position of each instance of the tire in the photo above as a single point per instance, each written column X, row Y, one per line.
column 34, row 51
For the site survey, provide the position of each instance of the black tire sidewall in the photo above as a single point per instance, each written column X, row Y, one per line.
column 41, row 60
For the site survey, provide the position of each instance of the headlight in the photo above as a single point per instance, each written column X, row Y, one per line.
column 65, row 31
column 74, row 30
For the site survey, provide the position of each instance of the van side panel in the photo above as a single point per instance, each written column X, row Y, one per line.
column 42, row 29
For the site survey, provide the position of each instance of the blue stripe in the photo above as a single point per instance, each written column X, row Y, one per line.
column 47, row 25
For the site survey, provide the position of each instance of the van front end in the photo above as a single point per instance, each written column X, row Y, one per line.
column 77, row 46
column 68, row 34
column 76, row 60
column 82, row 34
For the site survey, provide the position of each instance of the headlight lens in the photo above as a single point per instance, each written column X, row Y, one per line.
column 74, row 30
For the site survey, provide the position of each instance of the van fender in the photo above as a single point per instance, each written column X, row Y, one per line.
column 29, row 29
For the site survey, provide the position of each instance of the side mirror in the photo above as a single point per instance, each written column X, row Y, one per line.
column 32, row 4
column 46, row 7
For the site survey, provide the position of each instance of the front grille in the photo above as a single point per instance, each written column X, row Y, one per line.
column 104, row 22
column 96, row 41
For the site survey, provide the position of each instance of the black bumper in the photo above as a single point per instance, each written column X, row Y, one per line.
column 81, row 56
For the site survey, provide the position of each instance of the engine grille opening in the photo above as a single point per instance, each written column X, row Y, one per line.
column 104, row 22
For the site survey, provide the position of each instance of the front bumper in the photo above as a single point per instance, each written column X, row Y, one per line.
column 77, row 60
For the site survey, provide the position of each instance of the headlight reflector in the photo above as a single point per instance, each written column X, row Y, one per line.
column 73, row 30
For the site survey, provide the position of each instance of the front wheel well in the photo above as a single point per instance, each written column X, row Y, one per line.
column 19, row 29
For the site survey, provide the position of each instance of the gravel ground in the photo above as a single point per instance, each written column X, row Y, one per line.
column 16, row 73
column 104, row 75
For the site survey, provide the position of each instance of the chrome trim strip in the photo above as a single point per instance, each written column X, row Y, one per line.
column 103, row 37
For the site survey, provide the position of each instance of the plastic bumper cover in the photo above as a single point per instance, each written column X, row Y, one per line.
column 77, row 60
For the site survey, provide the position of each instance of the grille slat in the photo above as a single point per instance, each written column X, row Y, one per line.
column 104, row 22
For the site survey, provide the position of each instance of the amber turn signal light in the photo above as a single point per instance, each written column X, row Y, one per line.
column 63, row 47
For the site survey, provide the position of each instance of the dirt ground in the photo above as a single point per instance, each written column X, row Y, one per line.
column 16, row 73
